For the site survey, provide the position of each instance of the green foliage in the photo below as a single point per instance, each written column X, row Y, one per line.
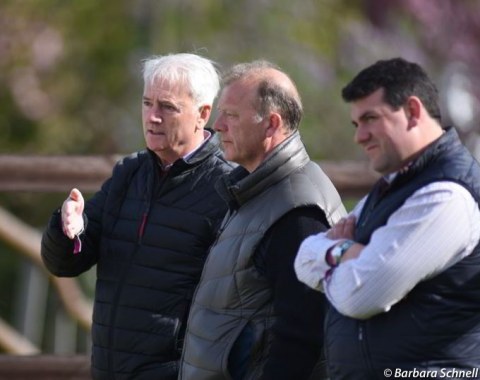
column 72, row 69
column 67, row 73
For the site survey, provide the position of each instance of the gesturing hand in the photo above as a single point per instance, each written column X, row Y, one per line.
column 72, row 210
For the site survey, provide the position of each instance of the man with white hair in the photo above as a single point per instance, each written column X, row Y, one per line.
column 149, row 228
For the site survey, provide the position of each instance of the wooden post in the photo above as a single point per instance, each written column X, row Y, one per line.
column 31, row 302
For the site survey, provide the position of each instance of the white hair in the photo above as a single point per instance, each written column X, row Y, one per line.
column 199, row 74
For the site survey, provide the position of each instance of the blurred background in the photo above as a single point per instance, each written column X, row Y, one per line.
column 70, row 84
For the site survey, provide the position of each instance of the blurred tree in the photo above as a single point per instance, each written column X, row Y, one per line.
column 71, row 70
column 65, row 68
column 441, row 35
column 450, row 31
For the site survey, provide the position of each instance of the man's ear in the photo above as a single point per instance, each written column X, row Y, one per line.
column 274, row 124
column 413, row 110
column 204, row 113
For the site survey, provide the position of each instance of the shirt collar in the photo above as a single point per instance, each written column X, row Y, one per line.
column 206, row 137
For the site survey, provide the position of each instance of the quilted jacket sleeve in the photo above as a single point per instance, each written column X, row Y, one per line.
column 57, row 249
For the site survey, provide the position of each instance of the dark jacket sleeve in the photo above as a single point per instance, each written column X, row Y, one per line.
column 298, row 331
column 57, row 249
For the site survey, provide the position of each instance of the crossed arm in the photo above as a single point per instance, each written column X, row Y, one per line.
column 434, row 229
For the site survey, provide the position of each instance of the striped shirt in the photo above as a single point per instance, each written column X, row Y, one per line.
column 435, row 228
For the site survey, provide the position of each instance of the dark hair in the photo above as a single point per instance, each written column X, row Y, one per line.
column 399, row 79
column 270, row 95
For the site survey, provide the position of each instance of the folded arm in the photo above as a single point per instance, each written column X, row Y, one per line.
column 435, row 228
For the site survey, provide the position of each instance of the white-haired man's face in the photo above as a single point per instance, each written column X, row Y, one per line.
column 172, row 122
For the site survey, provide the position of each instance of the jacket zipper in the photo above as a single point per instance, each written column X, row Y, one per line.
column 141, row 230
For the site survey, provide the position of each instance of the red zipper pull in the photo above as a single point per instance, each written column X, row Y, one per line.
column 142, row 225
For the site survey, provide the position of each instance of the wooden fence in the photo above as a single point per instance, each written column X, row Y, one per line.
column 60, row 174
column 45, row 367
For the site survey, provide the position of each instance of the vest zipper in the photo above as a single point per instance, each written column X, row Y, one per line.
column 225, row 222
column 362, row 339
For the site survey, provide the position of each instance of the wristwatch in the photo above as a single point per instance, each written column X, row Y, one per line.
column 335, row 253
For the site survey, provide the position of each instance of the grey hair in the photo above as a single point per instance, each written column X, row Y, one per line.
column 199, row 74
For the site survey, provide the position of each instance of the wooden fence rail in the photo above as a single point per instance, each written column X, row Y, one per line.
column 54, row 173
column 45, row 367
column 61, row 173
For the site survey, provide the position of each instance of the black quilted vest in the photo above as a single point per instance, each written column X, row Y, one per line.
column 438, row 324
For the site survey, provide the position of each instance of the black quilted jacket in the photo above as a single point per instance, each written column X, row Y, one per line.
column 149, row 236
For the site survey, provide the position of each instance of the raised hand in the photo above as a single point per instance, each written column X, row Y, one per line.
column 72, row 214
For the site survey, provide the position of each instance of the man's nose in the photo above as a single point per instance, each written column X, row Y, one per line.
column 361, row 135
column 155, row 117
column 219, row 125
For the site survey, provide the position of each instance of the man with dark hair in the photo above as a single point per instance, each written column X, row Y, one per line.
column 251, row 318
column 402, row 271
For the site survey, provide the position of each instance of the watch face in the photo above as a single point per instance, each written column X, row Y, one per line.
column 345, row 246
column 337, row 254
column 338, row 251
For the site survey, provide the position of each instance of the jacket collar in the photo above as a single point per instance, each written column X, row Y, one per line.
column 240, row 186
column 448, row 140
column 207, row 149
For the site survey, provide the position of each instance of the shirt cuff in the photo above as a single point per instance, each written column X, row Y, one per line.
column 310, row 265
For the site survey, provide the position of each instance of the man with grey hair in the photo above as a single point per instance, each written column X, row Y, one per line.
column 251, row 318
column 149, row 228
